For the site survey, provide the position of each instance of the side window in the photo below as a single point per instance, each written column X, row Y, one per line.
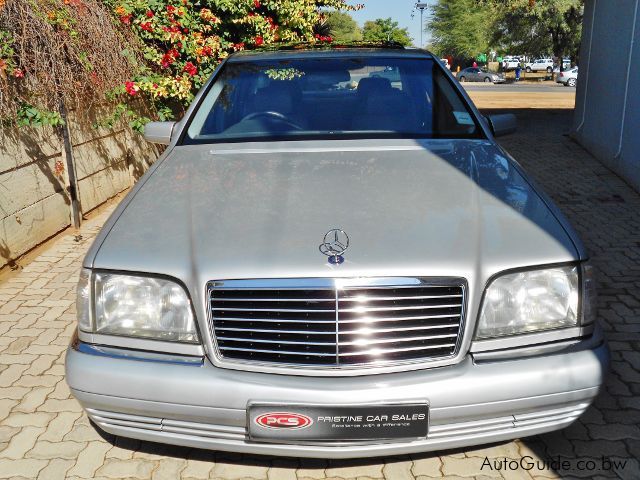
column 450, row 115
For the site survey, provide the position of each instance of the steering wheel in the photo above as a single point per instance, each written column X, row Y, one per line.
column 274, row 116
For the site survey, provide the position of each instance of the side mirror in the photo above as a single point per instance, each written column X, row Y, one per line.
column 502, row 124
column 159, row 132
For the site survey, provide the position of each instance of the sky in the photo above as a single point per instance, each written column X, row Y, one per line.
column 398, row 10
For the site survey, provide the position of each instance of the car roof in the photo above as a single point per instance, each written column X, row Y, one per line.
column 306, row 50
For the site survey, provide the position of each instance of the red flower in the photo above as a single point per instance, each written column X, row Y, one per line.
column 58, row 167
column 190, row 68
column 126, row 19
column 258, row 40
column 146, row 26
column 149, row 14
column 131, row 88
column 169, row 57
column 206, row 51
column 18, row 73
column 238, row 46
column 185, row 30
column 256, row 3
column 171, row 9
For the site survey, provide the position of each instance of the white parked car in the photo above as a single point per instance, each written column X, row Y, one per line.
column 569, row 78
column 510, row 63
column 540, row 65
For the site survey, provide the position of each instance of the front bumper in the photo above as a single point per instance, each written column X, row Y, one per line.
column 199, row 405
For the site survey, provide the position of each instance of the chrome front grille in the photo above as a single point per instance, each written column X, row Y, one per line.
column 337, row 322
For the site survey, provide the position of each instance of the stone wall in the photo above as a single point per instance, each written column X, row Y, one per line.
column 35, row 201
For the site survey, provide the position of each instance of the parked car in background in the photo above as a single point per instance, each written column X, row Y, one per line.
column 566, row 65
column 510, row 63
column 540, row 65
column 569, row 78
column 476, row 74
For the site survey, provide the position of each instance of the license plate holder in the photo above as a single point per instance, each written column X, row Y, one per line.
column 311, row 423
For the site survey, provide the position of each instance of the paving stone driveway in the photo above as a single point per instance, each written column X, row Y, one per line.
column 44, row 434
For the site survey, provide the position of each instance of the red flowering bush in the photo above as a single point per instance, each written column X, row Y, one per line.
column 185, row 40
column 55, row 52
column 134, row 52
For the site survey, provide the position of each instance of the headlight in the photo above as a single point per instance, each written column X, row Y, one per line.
column 136, row 306
column 530, row 301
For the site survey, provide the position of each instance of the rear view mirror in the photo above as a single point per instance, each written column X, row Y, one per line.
column 159, row 132
column 502, row 124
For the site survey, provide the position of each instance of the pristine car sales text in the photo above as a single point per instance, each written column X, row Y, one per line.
column 374, row 418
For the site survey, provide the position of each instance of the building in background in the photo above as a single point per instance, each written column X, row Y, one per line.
column 607, row 114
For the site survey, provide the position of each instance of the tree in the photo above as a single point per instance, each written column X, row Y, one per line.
column 519, row 27
column 385, row 30
column 461, row 28
column 342, row 27
column 538, row 27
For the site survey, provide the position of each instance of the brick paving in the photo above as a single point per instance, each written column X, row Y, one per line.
column 45, row 435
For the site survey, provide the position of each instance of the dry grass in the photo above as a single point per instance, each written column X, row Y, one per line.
column 495, row 99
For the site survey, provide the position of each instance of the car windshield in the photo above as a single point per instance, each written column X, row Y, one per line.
column 331, row 97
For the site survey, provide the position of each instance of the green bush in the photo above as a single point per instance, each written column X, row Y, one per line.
column 185, row 40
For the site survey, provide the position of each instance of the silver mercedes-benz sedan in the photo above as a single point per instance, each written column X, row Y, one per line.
column 325, row 263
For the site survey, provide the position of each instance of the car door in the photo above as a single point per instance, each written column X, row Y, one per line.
column 474, row 75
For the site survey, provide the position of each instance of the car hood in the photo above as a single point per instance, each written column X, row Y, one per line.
column 426, row 208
